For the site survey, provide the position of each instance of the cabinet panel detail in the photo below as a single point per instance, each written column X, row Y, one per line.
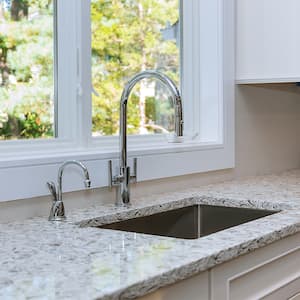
column 271, row 270
column 195, row 288
column 295, row 297
column 290, row 291
column 267, row 278
column 268, row 41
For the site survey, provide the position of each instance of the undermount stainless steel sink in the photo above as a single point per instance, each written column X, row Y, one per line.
column 190, row 222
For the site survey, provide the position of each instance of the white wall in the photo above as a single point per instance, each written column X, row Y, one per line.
column 267, row 140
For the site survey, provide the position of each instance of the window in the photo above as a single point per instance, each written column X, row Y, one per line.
column 26, row 69
column 91, row 52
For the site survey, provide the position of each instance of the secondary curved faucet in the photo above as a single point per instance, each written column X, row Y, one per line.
column 57, row 212
column 124, row 178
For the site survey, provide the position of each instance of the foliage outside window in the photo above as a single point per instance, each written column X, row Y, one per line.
column 129, row 37
column 26, row 69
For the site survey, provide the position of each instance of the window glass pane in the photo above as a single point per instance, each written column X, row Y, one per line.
column 26, row 69
column 129, row 36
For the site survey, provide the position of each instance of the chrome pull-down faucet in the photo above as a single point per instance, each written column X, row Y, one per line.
column 122, row 181
column 57, row 212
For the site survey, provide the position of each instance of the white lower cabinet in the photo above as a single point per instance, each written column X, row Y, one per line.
column 295, row 297
column 269, row 273
column 286, row 291
column 195, row 288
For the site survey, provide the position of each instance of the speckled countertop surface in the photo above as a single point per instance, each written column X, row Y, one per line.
column 43, row 260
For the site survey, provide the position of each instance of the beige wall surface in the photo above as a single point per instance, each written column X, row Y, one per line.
column 267, row 129
column 267, row 141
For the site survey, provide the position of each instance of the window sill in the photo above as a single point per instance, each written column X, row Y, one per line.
column 44, row 157
column 25, row 175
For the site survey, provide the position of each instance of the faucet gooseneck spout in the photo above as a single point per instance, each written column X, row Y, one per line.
column 87, row 182
column 57, row 212
column 177, row 102
column 124, row 178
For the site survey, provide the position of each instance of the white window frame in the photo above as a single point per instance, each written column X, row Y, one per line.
column 208, row 58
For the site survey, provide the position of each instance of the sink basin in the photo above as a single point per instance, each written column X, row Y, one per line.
column 190, row 222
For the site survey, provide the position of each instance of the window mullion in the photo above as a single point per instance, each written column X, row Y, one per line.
column 85, row 67
column 67, row 79
column 188, row 41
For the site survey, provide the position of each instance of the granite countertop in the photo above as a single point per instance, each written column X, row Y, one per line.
column 43, row 260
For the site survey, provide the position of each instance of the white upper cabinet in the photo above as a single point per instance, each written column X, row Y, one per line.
column 268, row 41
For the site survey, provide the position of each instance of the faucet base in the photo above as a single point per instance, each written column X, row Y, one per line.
column 122, row 182
column 121, row 197
column 57, row 219
column 57, row 212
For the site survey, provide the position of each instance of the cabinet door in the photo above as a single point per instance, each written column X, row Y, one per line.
column 195, row 288
column 268, row 41
column 290, row 291
column 295, row 297
column 271, row 272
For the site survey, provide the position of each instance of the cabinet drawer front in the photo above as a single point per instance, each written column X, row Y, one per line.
column 271, row 272
column 295, row 297
column 267, row 278
column 290, row 291
column 194, row 288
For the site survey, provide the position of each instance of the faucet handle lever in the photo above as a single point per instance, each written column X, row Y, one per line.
column 110, row 175
column 116, row 180
column 52, row 189
column 113, row 180
column 133, row 177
